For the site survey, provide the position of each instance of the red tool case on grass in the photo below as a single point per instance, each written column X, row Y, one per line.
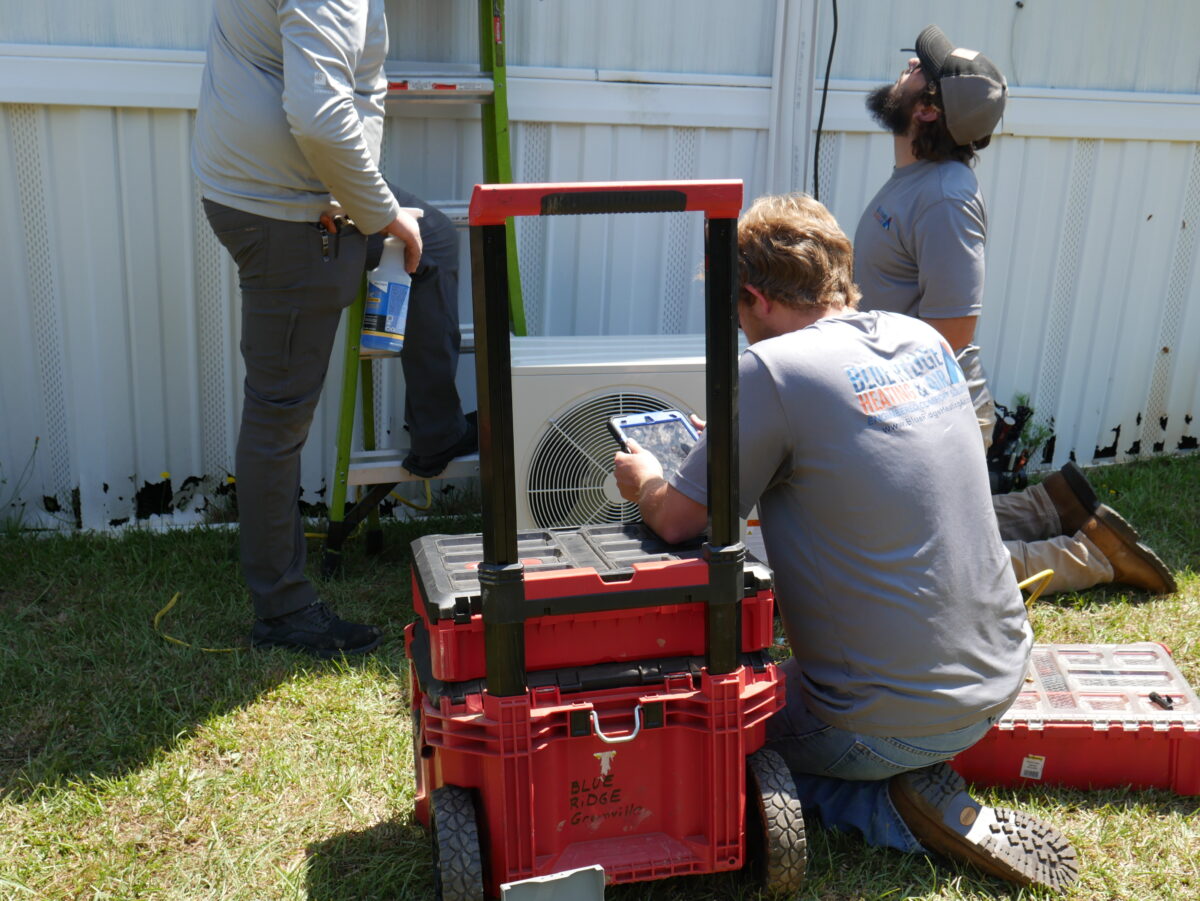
column 593, row 696
column 1086, row 719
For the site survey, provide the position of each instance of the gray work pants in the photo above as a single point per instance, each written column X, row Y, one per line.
column 293, row 293
column 1028, row 519
column 294, row 289
column 433, row 411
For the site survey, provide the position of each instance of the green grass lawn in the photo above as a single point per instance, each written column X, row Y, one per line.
column 132, row 767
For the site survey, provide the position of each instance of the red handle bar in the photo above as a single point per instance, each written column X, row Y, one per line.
column 492, row 204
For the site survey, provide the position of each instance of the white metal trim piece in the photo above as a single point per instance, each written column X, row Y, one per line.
column 100, row 76
column 1045, row 113
column 691, row 79
column 624, row 103
column 794, row 69
column 170, row 79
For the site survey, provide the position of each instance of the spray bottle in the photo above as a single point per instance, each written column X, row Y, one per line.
column 387, row 298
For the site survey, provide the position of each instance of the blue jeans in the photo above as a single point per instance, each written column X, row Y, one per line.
column 843, row 776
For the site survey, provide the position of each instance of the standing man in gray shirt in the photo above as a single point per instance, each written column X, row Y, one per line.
column 287, row 146
column 908, row 633
column 919, row 250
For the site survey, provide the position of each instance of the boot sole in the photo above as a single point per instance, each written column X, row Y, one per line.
column 1009, row 844
column 1118, row 524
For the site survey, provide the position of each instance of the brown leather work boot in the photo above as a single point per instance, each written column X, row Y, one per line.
column 935, row 805
column 1133, row 563
column 1073, row 497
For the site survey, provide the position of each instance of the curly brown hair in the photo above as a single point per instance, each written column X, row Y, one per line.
column 932, row 141
column 792, row 250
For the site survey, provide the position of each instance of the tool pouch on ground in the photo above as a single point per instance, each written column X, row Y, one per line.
column 1007, row 456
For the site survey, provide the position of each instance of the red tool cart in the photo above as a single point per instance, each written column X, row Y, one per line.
column 592, row 695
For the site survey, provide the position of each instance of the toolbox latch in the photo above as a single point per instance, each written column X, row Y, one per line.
column 653, row 715
column 581, row 723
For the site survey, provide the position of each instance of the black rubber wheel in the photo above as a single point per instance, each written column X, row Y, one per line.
column 776, row 849
column 457, row 861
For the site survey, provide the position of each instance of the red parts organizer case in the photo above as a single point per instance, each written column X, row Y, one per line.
column 1095, row 716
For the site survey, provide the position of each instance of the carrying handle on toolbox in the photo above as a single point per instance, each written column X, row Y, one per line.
column 501, row 575
column 618, row 739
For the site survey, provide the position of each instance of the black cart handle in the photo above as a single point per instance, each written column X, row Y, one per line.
column 501, row 575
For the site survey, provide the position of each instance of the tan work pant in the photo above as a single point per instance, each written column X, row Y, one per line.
column 1028, row 520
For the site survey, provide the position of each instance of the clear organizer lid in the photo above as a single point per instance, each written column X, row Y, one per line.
column 1106, row 686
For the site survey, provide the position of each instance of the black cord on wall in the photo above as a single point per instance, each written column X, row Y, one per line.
column 821, row 117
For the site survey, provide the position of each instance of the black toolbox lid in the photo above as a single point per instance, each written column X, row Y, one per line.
column 445, row 566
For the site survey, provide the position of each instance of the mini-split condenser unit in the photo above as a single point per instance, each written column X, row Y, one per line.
column 564, row 390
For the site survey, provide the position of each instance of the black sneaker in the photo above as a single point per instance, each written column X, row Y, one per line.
column 316, row 630
column 1020, row 848
column 429, row 465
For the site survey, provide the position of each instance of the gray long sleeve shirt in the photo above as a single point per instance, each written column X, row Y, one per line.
column 291, row 110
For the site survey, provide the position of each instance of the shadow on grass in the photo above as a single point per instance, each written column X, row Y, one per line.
column 388, row 861
column 393, row 860
column 89, row 690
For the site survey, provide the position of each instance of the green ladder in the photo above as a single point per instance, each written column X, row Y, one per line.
column 375, row 472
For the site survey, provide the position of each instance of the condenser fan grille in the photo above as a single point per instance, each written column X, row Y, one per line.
column 571, row 471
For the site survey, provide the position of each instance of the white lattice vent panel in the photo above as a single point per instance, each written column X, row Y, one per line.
column 531, row 230
column 28, row 134
column 679, row 234
column 216, row 284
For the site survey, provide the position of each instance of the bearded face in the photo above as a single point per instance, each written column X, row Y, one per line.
column 890, row 108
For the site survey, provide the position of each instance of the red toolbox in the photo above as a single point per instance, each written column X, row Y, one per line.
column 577, row 571
column 593, row 696
column 1095, row 716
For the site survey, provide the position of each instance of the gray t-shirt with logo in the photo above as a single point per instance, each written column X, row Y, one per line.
column 919, row 245
column 897, row 595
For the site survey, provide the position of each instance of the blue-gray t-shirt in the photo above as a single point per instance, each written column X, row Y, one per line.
column 858, row 443
column 919, row 246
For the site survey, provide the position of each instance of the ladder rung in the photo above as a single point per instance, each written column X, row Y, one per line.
column 456, row 210
column 375, row 467
column 423, row 81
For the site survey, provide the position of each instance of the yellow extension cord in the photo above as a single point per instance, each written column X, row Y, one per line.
column 158, row 618
column 1044, row 577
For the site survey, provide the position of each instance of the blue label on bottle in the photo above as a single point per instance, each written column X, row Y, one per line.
column 384, row 316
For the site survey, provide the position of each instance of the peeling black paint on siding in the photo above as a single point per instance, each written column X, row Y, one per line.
column 1048, row 449
column 1110, row 451
column 154, row 498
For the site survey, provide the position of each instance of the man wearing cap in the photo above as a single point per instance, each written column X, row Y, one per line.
column 919, row 250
